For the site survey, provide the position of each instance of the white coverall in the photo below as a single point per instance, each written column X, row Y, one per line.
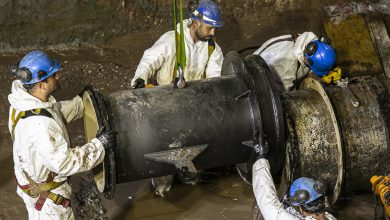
column 160, row 59
column 42, row 145
column 283, row 57
column 267, row 200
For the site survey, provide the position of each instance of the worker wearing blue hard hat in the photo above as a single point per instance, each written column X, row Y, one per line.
column 293, row 57
column 203, row 58
column 43, row 155
column 305, row 199
column 203, row 55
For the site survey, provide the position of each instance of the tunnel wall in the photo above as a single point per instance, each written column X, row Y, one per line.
column 39, row 23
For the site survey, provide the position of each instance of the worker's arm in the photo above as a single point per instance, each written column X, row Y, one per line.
column 54, row 152
column 71, row 109
column 215, row 63
column 264, row 189
column 154, row 57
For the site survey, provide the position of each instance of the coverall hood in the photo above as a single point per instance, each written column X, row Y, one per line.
column 285, row 57
column 300, row 44
column 21, row 100
column 187, row 33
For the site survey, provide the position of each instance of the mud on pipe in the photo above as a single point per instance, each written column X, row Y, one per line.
column 163, row 130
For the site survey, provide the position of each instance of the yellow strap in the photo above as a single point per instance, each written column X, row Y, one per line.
column 211, row 48
column 56, row 198
column 15, row 121
column 30, row 181
column 37, row 188
column 35, row 191
column 36, row 111
column 178, row 54
column 18, row 117
column 43, row 187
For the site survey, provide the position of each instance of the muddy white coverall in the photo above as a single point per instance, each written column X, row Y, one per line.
column 42, row 145
column 160, row 59
column 286, row 57
column 267, row 200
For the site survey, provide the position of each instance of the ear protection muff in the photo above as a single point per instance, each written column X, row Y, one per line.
column 310, row 50
column 300, row 197
column 320, row 187
column 24, row 74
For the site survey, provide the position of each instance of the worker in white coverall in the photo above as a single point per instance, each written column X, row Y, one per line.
column 293, row 57
column 203, row 60
column 42, row 153
column 203, row 55
column 305, row 199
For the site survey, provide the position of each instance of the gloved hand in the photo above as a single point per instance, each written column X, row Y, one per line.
column 139, row 83
column 86, row 88
column 106, row 138
column 333, row 76
column 261, row 150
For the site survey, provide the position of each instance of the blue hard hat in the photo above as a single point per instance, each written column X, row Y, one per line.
column 320, row 57
column 36, row 66
column 305, row 190
column 208, row 12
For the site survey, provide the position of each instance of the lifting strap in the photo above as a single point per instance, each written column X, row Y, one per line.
column 210, row 50
column 180, row 63
column 33, row 189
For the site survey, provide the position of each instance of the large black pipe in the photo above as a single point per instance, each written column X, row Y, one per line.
column 164, row 118
column 165, row 130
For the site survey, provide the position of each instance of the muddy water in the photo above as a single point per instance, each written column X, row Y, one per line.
column 228, row 198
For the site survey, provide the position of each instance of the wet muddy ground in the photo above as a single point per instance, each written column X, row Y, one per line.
column 109, row 67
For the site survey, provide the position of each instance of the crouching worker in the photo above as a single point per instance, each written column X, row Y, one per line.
column 292, row 58
column 42, row 154
column 305, row 199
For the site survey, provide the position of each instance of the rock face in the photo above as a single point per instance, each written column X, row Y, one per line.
column 28, row 23
column 39, row 23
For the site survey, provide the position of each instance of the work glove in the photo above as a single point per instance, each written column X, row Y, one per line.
column 106, row 138
column 333, row 76
column 139, row 83
column 86, row 88
column 261, row 150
